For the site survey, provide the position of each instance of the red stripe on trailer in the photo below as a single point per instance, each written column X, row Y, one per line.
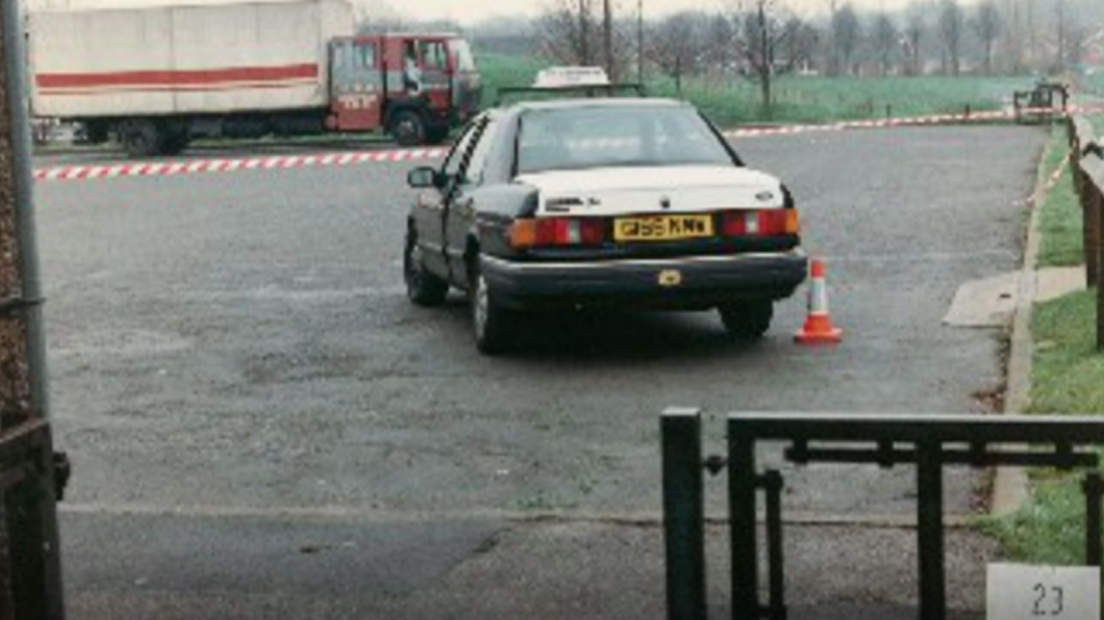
column 177, row 77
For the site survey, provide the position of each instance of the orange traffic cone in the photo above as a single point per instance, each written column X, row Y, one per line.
column 818, row 328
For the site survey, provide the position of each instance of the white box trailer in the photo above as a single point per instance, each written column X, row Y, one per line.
column 169, row 61
column 159, row 60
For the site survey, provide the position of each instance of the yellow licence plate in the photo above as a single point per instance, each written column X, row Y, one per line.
column 662, row 227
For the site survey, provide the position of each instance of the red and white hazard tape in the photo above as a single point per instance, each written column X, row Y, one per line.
column 171, row 168
column 937, row 119
column 1037, row 196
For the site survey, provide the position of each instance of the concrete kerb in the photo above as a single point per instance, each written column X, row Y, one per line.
column 1009, row 490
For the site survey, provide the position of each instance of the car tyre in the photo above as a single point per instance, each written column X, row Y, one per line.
column 747, row 320
column 492, row 325
column 422, row 287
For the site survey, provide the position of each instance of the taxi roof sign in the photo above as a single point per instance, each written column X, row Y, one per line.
column 566, row 77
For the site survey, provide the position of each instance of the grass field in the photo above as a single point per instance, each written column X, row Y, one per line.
column 733, row 101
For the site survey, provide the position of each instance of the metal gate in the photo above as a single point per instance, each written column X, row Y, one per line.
column 928, row 442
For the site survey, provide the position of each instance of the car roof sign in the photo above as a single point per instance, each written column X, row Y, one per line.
column 560, row 77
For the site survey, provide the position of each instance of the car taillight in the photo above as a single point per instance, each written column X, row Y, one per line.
column 557, row 231
column 765, row 223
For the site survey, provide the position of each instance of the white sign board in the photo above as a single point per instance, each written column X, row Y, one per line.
column 560, row 77
column 1025, row 592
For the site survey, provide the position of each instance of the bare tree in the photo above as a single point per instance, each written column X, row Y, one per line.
column 950, row 32
column 675, row 47
column 846, row 34
column 762, row 32
column 568, row 32
column 915, row 25
column 987, row 25
column 801, row 40
column 1070, row 36
column 720, row 40
column 885, row 40
column 607, row 40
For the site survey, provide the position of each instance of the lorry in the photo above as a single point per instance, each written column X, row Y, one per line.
column 157, row 77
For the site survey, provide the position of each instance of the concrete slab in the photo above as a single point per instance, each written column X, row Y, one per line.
column 1054, row 282
column 988, row 302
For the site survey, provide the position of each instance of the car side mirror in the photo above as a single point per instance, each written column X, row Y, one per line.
column 422, row 177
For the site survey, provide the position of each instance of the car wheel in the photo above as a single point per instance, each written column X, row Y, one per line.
column 422, row 287
column 492, row 325
column 747, row 320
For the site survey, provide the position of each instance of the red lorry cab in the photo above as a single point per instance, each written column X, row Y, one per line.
column 415, row 86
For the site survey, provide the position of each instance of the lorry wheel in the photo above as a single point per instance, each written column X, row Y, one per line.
column 96, row 133
column 408, row 128
column 141, row 138
column 175, row 144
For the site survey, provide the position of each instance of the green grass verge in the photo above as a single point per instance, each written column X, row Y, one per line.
column 1060, row 223
column 733, row 101
column 1066, row 377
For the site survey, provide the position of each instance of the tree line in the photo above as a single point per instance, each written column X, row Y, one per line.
column 759, row 40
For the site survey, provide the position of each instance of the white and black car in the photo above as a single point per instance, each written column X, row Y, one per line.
column 612, row 201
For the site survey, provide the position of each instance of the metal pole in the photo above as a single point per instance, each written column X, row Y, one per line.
column 607, row 35
column 683, row 513
column 741, row 506
column 640, row 41
column 15, row 71
column 776, row 576
column 929, row 522
column 29, row 510
column 1093, row 488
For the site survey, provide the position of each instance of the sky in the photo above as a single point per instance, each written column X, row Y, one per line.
column 470, row 11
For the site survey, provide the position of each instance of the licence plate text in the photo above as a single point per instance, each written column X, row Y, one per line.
column 662, row 227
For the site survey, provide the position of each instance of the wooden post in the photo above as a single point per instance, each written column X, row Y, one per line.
column 1081, row 136
column 1098, row 207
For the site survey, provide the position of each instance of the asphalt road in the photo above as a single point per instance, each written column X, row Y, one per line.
column 238, row 346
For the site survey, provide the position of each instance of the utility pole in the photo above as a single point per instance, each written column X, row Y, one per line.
column 607, row 34
column 584, row 32
column 640, row 41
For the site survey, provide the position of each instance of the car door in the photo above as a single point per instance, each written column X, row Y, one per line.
column 429, row 211
column 460, row 207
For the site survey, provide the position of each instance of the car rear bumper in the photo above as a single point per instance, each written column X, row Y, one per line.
column 698, row 282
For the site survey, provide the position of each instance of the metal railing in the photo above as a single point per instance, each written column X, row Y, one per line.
column 929, row 442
